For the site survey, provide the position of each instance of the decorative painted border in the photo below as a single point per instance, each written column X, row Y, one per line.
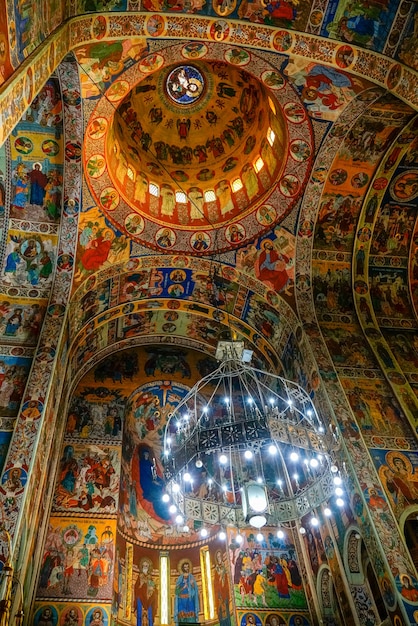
column 27, row 81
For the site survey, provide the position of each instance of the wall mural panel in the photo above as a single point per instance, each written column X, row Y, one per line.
column 13, row 375
column 265, row 575
column 102, row 62
column 100, row 246
column 33, row 165
column 78, row 560
column 325, row 91
column 143, row 514
column 88, row 478
column 376, row 410
column 364, row 26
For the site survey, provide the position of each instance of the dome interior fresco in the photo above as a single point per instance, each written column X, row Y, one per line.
column 237, row 147
column 171, row 176
column 209, row 140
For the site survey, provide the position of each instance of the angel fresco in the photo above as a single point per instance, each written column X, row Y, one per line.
column 183, row 127
column 400, row 479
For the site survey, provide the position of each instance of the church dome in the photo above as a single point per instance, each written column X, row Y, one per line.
column 200, row 153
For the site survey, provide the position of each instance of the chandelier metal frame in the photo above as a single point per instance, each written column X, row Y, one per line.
column 259, row 412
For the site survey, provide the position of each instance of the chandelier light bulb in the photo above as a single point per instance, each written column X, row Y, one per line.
column 250, row 400
column 327, row 512
column 238, row 539
column 226, row 400
column 166, row 497
column 272, row 449
column 222, row 535
column 187, row 478
column 223, row 459
column 205, row 409
column 337, row 480
column 248, row 454
column 199, row 463
column 280, row 534
column 260, row 537
column 334, row 469
column 186, row 528
column 339, row 491
column 168, row 440
column 271, row 401
column 172, row 508
column 224, row 488
column 176, row 488
column 302, row 530
column 204, row 532
column 314, row 462
column 179, row 519
column 314, row 521
column 339, row 502
column 294, row 456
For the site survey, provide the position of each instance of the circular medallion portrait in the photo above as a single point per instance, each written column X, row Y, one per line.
column 405, row 186
column 185, row 85
column 46, row 615
column 134, row 224
column 165, row 238
column 200, row 241
column 235, row 233
column 266, row 215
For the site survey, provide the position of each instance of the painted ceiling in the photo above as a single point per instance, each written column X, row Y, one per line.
column 191, row 170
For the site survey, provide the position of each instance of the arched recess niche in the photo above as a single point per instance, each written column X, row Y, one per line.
column 328, row 601
column 409, row 525
column 360, row 572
